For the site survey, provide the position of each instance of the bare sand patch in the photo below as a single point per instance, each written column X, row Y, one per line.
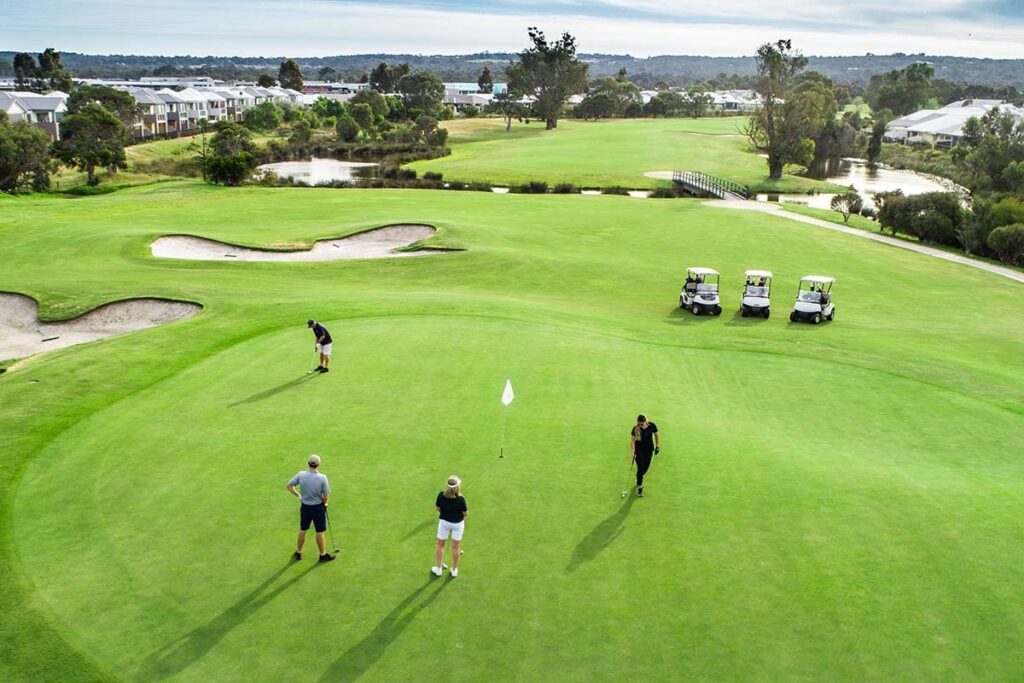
column 23, row 334
column 376, row 243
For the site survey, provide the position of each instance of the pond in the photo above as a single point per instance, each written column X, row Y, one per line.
column 866, row 179
column 317, row 171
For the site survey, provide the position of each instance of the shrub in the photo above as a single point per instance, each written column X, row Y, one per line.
column 471, row 111
column 479, row 187
column 615, row 189
column 532, row 187
column 663, row 193
column 347, row 128
column 406, row 174
column 565, row 188
column 846, row 204
column 430, row 175
column 1008, row 242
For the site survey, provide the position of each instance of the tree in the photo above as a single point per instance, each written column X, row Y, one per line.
column 120, row 103
column 549, row 72
column 301, row 134
column 931, row 217
column 264, row 116
column 363, row 115
column 347, row 128
column 471, row 111
column 881, row 120
column 289, row 75
column 847, row 203
column 92, row 137
column 384, row 78
column 51, row 74
column 990, row 146
column 326, row 73
column 785, row 123
column 902, row 90
column 621, row 93
column 167, row 70
column 24, row 153
column 1008, row 242
column 422, row 91
column 266, row 81
column 25, row 71
column 665, row 103
column 377, row 102
column 485, row 81
column 231, row 157
column 425, row 125
column 508, row 107
column 696, row 103
column 328, row 106
column 599, row 105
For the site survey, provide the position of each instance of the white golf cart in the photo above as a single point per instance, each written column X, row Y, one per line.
column 700, row 291
column 756, row 291
column 814, row 300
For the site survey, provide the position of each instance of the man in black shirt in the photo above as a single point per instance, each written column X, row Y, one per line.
column 644, row 443
column 323, row 343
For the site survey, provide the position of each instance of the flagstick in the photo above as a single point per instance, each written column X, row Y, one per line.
column 504, row 412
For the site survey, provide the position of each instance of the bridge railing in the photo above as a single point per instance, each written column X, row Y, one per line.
column 709, row 184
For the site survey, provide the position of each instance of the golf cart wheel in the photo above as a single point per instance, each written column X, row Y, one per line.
column 743, row 311
column 718, row 310
column 832, row 315
column 816, row 318
column 695, row 309
column 767, row 312
column 792, row 317
column 681, row 304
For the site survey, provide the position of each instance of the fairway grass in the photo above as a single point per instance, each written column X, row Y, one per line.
column 835, row 502
column 614, row 152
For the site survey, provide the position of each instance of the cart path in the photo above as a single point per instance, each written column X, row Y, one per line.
column 776, row 210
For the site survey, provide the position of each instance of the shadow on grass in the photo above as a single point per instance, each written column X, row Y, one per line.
column 180, row 654
column 359, row 658
column 420, row 528
column 745, row 321
column 683, row 316
column 276, row 390
column 601, row 537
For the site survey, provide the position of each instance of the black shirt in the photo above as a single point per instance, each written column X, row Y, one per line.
column 645, row 444
column 451, row 508
column 319, row 330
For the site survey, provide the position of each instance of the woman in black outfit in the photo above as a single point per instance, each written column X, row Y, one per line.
column 644, row 444
column 452, row 511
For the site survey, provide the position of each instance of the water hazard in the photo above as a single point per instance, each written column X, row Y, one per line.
column 322, row 171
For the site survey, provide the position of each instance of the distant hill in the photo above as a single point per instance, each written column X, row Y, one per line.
column 672, row 69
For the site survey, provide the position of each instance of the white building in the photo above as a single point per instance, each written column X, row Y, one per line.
column 943, row 127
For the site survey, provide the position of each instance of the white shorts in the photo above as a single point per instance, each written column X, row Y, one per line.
column 325, row 348
column 444, row 527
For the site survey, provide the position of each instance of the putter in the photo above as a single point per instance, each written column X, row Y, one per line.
column 330, row 528
column 316, row 360
column 631, row 460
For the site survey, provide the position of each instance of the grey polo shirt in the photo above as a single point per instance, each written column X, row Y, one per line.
column 312, row 487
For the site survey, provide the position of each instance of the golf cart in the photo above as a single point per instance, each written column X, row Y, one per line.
column 700, row 291
column 814, row 300
column 756, row 292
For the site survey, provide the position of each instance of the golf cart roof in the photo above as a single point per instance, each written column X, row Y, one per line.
column 820, row 279
column 759, row 273
column 702, row 271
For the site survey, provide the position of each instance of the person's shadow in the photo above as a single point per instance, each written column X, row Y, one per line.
column 178, row 655
column 601, row 536
column 420, row 528
column 275, row 390
column 358, row 659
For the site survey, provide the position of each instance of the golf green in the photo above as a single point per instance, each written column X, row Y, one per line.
column 838, row 501
column 482, row 151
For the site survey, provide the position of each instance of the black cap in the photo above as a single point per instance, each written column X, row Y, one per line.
column 310, row 322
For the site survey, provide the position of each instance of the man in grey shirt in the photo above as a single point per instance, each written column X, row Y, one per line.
column 313, row 491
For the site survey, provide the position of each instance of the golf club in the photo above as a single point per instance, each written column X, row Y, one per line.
column 330, row 528
column 316, row 362
column 630, row 474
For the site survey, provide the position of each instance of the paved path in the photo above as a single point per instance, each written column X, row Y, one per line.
column 775, row 209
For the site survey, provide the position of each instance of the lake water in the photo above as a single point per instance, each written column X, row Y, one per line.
column 316, row 171
column 866, row 180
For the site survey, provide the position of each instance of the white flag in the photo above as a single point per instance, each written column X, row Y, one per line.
column 507, row 395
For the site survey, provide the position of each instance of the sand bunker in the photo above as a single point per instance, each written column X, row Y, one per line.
column 378, row 243
column 22, row 334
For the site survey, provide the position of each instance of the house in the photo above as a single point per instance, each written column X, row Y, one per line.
column 16, row 110
column 943, row 127
column 460, row 102
column 153, row 119
column 47, row 109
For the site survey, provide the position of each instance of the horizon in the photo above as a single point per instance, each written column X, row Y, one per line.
column 311, row 29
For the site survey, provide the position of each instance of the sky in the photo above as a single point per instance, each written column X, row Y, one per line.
column 642, row 28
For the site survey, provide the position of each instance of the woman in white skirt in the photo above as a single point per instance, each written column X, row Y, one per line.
column 452, row 510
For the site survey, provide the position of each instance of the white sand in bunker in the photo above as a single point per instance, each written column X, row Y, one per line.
column 22, row 334
column 377, row 243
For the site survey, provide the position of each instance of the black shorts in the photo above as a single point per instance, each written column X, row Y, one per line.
column 317, row 514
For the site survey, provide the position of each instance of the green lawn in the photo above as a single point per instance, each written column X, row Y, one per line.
column 606, row 153
column 838, row 501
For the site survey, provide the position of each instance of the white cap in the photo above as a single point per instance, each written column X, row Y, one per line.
column 314, row 459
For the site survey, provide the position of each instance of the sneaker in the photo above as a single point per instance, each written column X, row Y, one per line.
column 325, row 369
column 297, row 555
column 318, row 368
column 639, row 493
column 436, row 571
column 455, row 572
column 327, row 557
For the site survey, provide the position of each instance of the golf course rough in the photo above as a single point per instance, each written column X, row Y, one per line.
column 842, row 498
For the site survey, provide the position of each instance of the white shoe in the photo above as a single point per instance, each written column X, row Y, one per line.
column 436, row 571
column 455, row 572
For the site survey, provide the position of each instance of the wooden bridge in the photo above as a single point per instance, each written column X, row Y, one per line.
column 704, row 185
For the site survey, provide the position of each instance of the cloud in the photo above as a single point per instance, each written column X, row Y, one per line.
column 987, row 28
